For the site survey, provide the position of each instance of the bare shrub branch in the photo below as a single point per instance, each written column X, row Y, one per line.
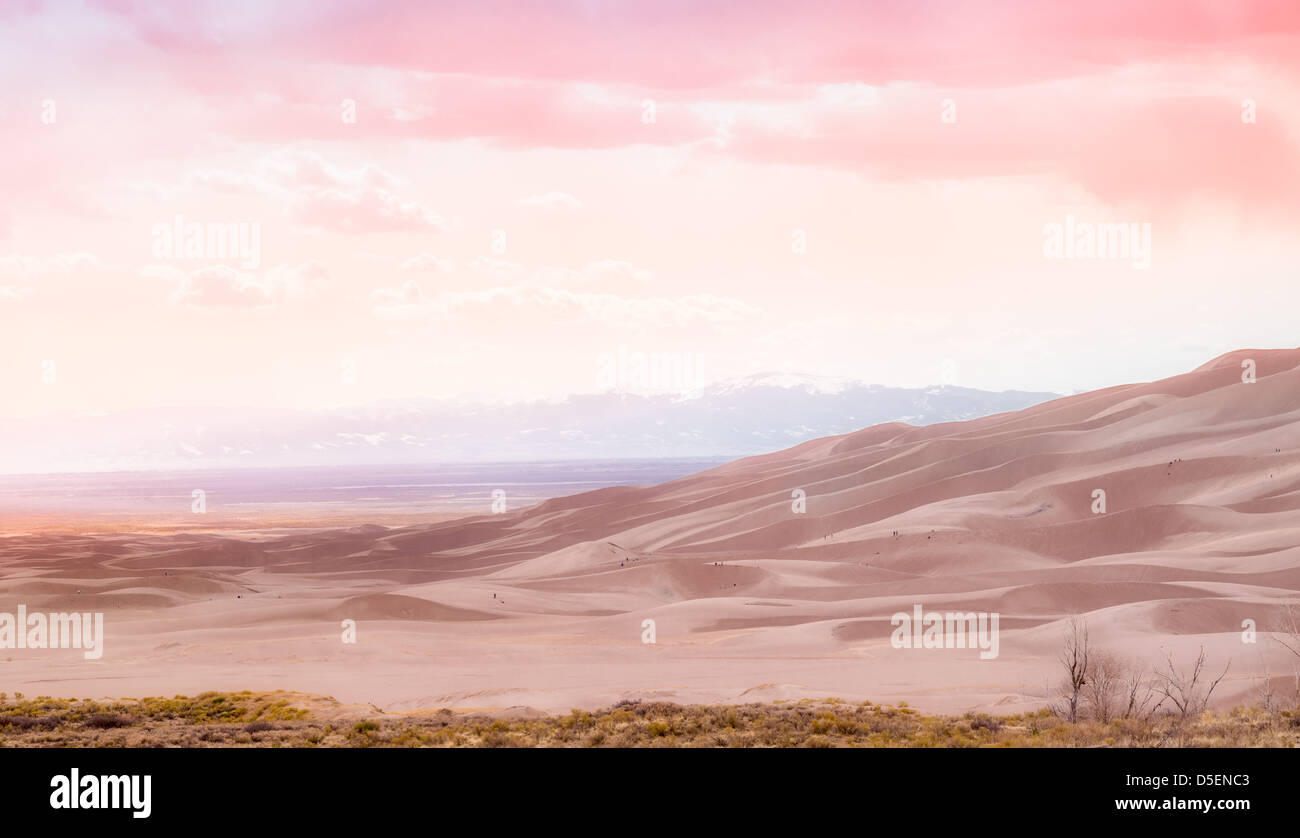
column 1103, row 686
column 1290, row 629
column 1074, row 660
column 1187, row 691
column 1139, row 693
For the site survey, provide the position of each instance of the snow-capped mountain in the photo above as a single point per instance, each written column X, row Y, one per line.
column 736, row 417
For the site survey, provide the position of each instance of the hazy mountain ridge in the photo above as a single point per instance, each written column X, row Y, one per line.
column 737, row 417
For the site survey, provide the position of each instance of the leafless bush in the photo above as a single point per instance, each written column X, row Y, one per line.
column 1141, row 700
column 1290, row 638
column 1103, row 686
column 1187, row 692
column 1074, row 660
column 1267, row 695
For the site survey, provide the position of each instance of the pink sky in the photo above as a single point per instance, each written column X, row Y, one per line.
column 919, row 149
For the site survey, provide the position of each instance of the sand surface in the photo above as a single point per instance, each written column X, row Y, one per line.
column 751, row 600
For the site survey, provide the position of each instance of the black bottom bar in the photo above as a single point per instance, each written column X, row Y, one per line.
column 488, row 788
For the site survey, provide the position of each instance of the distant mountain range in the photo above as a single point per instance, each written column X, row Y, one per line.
column 735, row 417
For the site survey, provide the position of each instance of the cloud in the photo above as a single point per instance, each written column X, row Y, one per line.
column 551, row 201
column 407, row 296
column 321, row 196
column 297, row 281
column 614, row 269
column 559, row 303
column 21, row 275
column 220, row 286
column 1040, row 87
column 500, row 270
column 601, row 272
column 296, row 168
column 427, row 263
column 31, row 268
column 1114, row 145
column 513, row 281
column 687, row 45
column 362, row 211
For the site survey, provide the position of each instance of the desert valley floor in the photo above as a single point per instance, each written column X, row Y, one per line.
column 751, row 599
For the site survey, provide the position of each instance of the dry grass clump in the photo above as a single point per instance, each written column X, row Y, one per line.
column 278, row 720
column 207, row 718
column 823, row 724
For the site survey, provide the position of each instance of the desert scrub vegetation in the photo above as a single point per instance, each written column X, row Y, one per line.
column 814, row 724
column 274, row 720
column 204, row 719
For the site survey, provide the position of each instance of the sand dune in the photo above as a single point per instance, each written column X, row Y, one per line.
column 545, row 607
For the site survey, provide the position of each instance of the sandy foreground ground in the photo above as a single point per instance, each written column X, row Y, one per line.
column 771, row 577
